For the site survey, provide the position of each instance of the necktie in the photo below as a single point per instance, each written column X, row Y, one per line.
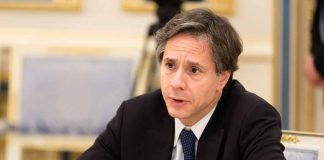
column 188, row 138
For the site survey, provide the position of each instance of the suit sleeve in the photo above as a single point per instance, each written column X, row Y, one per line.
column 107, row 145
column 261, row 134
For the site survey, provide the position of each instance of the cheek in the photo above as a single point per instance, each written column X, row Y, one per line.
column 205, row 92
column 164, row 80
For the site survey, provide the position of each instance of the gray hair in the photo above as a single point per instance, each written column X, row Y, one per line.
column 224, row 41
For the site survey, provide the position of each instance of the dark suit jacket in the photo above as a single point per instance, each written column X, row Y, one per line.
column 242, row 127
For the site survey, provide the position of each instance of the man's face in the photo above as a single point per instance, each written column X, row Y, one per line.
column 189, row 83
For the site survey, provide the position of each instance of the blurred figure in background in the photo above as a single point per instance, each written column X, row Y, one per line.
column 314, row 63
column 165, row 11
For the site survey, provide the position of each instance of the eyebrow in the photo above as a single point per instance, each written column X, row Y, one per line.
column 191, row 63
column 195, row 64
column 168, row 59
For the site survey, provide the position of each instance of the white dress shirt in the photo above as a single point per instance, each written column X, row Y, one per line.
column 197, row 129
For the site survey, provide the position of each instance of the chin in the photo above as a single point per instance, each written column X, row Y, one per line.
column 176, row 114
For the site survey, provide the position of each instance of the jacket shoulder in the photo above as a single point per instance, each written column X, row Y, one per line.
column 144, row 106
column 148, row 99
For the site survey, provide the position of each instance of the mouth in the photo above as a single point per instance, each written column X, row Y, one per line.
column 178, row 100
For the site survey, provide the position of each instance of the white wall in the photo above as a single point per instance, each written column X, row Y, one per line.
column 253, row 18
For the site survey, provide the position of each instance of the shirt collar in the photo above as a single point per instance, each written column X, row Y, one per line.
column 197, row 129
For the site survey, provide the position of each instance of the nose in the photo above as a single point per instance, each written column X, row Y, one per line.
column 178, row 80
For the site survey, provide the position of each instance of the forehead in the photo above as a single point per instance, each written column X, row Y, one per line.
column 187, row 45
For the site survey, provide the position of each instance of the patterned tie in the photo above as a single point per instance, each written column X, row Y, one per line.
column 188, row 138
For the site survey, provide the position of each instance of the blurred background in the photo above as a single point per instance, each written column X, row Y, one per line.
column 66, row 65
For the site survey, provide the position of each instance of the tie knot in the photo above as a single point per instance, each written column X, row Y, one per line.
column 188, row 135
column 188, row 138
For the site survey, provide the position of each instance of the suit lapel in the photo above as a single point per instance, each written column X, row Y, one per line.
column 210, row 141
column 209, row 145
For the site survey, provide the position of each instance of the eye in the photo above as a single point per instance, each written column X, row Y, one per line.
column 169, row 65
column 194, row 69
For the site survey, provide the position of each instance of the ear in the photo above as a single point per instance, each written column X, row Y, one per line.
column 222, row 79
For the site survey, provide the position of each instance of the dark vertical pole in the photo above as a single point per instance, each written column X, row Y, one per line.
column 66, row 155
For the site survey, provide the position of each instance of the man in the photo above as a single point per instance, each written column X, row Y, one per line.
column 200, row 112
column 314, row 62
